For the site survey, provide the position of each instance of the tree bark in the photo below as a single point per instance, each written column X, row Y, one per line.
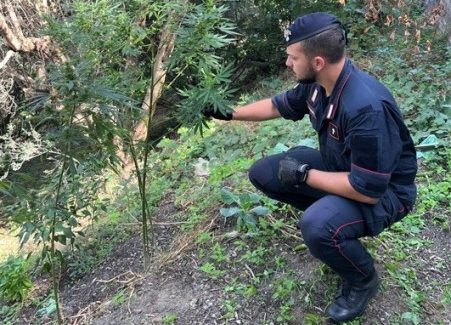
column 12, row 33
column 167, row 40
column 18, row 43
column 5, row 60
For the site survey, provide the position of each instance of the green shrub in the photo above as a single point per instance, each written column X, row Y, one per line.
column 15, row 282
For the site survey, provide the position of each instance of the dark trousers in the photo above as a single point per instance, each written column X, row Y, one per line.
column 331, row 225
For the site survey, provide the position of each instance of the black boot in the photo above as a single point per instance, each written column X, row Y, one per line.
column 343, row 289
column 352, row 300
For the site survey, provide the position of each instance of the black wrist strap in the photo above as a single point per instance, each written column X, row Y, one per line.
column 302, row 173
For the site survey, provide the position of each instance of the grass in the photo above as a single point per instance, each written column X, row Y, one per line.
column 169, row 319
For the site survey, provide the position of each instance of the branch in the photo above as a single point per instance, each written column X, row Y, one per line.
column 165, row 48
column 167, row 41
column 14, row 20
column 18, row 43
column 158, row 80
column 8, row 35
column 8, row 56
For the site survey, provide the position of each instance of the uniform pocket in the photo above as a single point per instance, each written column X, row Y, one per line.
column 375, row 218
column 395, row 209
column 383, row 214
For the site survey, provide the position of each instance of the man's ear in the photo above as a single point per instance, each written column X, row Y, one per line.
column 318, row 63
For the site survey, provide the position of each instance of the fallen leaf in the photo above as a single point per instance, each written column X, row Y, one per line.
column 392, row 35
column 418, row 35
column 388, row 20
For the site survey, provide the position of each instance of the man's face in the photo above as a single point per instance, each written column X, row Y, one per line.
column 300, row 64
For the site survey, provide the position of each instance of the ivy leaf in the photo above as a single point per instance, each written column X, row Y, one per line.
column 228, row 197
column 279, row 148
column 250, row 222
column 259, row 210
column 228, row 212
column 61, row 239
column 59, row 256
column 254, row 198
column 47, row 267
column 49, row 309
column 308, row 142
column 412, row 317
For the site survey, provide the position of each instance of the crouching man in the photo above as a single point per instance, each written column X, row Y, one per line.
column 360, row 181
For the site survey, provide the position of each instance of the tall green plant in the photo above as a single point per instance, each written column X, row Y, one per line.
column 146, row 49
column 83, row 116
column 81, row 145
column 196, row 32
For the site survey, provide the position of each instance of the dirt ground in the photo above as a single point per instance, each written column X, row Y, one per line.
column 118, row 293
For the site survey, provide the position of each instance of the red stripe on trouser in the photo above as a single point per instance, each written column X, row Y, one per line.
column 338, row 246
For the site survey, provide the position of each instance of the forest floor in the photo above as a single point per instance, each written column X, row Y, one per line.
column 179, row 292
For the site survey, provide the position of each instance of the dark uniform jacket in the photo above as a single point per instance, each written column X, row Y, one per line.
column 360, row 130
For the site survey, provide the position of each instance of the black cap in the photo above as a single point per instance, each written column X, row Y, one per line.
column 310, row 25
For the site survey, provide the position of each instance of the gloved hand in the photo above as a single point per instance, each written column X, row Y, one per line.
column 210, row 111
column 292, row 172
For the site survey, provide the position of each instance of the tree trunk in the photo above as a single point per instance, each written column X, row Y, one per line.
column 167, row 40
column 12, row 33
column 17, row 42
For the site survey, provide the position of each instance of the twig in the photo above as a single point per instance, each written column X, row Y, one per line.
column 384, row 245
column 171, row 223
column 85, row 312
column 184, row 243
column 427, row 147
column 93, row 308
column 129, row 298
column 287, row 230
column 155, row 223
column 436, row 271
column 14, row 20
column 250, row 270
column 134, row 276
column 8, row 56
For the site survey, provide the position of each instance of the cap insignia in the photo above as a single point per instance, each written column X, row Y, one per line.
column 287, row 34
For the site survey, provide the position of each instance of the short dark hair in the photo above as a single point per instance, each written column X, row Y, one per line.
column 329, row 44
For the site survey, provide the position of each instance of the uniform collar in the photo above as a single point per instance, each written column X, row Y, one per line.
column 334, row 99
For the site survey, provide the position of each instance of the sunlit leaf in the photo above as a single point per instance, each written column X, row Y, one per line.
column 229, row 212
column 259, row 210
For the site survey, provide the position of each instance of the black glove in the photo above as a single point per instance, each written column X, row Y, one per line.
column 292, row 172
column 210, row 111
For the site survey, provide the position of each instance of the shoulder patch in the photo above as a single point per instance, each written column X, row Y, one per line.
column 365, row 109
column 365, row 151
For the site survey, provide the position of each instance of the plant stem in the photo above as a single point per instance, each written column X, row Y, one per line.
column 59, row 315
column 53, row 270
column 144, row 207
